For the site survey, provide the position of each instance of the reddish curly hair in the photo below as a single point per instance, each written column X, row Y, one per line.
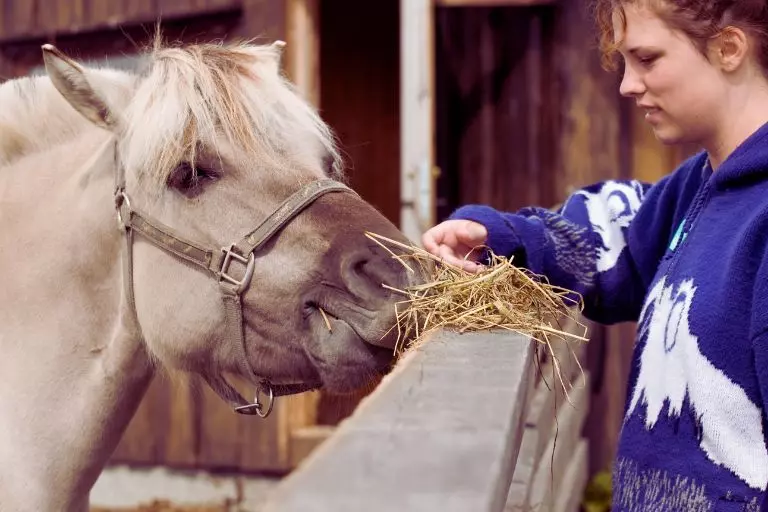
column 700, row 20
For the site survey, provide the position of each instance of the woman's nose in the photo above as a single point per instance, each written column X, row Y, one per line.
column 631, row 85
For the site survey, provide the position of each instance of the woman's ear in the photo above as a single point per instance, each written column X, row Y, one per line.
column 730, row 48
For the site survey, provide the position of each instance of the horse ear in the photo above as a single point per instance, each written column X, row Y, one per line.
column 70, row 80
column 277, row 47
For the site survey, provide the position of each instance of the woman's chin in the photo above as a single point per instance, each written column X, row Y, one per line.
column 667, row 135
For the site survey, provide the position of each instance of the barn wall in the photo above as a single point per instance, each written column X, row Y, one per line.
column 21, row 20
column 360, row 94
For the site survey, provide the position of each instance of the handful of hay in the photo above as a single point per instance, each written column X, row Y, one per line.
column 500, row 296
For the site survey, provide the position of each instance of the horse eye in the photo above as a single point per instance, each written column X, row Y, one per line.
column 187, row 178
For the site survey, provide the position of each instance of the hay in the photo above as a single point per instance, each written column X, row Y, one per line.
column 499, row 296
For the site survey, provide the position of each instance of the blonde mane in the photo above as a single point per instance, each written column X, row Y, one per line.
column 188, row 97
column 201, row 93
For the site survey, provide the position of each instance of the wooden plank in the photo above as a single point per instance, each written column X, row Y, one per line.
column 541, row 414
column 497, row 112
column 142, row 441
column 302, row 56
column 48, row 20
column 361, row 63
column 63, row 16
column 232, row 441
column 5, row 11
column 563, row 441
column 574, row 480
column 220, row 444
column 263, row 19
column 214, row 5
column 21, row 17
column 140, row 10
column 189, row 8
column 175, row 8
column 333, row 409
column 441, row 432
column 77, row 15
column 590, row 134
column 266, row 443
column 109, row 13
column 181, row 437
column 305, row 440
column 492, row 3
column 538, row 431
column 300, row 412
column 418, row 171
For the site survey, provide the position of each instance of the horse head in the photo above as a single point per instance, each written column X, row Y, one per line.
column 246, row 253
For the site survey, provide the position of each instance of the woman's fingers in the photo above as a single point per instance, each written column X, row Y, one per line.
column 471, row 233
column 454, row 240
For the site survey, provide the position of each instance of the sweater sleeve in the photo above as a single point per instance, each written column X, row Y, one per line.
column 604, row 243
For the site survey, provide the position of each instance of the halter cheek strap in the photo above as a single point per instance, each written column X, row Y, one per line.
column 218, row 263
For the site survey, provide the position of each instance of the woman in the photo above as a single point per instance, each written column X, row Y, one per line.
column 687, row 257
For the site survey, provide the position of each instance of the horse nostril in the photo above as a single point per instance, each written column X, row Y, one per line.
column 370, row 271
column 358, row 268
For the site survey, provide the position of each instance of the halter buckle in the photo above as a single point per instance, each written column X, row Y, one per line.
column 249, row 262
column 257, row 408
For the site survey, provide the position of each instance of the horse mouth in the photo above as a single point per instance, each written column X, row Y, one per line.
column 344, row 354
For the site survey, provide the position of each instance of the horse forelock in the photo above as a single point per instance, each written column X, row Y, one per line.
column 196, row 95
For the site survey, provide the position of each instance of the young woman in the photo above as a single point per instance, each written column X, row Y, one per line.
column 687, row 258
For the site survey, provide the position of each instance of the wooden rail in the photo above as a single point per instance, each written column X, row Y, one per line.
column 441, row 433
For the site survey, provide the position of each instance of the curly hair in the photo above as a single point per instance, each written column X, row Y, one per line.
column 700, row 20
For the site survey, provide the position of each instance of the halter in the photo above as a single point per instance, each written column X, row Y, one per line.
column 218, row 263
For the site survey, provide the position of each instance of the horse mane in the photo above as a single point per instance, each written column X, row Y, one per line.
column 205, row 92
column 185, row 95
column 35, row 117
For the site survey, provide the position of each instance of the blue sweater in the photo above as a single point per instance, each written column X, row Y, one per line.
column 687, row 258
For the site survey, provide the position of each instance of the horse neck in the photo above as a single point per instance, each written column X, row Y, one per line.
column 74, row 370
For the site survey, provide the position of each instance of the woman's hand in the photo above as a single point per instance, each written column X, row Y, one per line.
column 454, row 240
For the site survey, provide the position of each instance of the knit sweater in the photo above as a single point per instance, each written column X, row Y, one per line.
column 687, row 258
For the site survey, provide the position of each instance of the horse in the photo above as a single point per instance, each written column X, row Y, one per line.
column 192, row 215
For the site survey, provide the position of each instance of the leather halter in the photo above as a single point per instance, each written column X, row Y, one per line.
column 217, row 263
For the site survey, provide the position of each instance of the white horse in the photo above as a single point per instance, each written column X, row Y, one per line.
column 189, row 216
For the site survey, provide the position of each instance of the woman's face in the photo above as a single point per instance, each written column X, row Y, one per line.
column 679, row 89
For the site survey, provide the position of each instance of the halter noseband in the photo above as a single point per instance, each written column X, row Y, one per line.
column 217, row 262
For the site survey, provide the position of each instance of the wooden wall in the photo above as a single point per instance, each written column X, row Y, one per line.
column 495, row 107
column 21, row 20
column 360, row 94
column 526, row 115
column 95, row 29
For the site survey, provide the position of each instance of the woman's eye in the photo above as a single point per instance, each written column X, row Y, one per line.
column 648, row 59
column 188, row 178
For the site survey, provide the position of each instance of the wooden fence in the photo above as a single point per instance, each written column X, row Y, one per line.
column 463, row 423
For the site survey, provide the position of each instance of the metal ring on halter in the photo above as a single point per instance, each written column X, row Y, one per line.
column 257, row 407
column 121, row 197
